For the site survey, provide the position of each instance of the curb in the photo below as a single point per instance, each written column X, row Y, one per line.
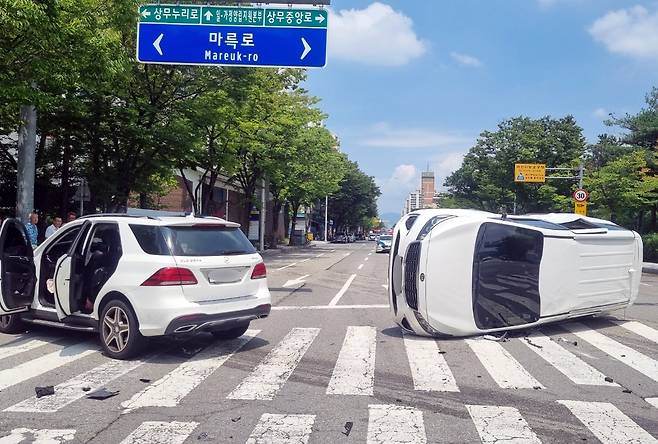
column 649, row 267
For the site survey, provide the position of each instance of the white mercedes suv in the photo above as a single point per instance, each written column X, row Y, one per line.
column 129, row 278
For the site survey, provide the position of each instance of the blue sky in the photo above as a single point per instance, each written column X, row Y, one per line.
column 413, row 82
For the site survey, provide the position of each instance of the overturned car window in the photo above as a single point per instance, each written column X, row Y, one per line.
column 506, row 276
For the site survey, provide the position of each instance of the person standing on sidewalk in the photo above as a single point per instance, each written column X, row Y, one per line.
column 32, row 229
column 57, row 222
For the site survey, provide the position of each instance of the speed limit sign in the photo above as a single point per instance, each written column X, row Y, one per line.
column 580, row 195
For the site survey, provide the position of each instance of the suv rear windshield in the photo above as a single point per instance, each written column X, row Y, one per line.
column 208, row 240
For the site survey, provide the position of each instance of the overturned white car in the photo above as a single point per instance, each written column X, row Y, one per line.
column 467, row 272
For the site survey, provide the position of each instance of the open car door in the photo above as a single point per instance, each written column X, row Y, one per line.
column 69, row 276
column 17, row 272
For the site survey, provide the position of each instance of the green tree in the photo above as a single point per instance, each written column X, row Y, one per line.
column 355, row 200
column 486, row 177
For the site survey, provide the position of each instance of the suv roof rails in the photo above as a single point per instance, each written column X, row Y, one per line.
column 89, row 216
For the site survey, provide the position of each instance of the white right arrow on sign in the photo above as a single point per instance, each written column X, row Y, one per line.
column 156, row 44
column 307, row 48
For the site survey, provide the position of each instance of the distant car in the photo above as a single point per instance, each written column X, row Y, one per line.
column 128, row 278
column 340, row 238
column 372, row 236
column 464, row 272
column 383, row 244
column 351, row 238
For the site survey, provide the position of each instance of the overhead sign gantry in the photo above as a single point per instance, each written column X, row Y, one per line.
column 232, row 36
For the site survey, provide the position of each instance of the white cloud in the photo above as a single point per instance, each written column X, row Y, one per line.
column 403, row 174
column 446, row 164
column 600, row 113
column 376, row 35
column 631, row 32
column 397, row 187
column 466, row 59
column 382, row 135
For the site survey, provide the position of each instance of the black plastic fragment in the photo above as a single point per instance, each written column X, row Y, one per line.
column 348, row 428
column 44, row 391
column 102, row 394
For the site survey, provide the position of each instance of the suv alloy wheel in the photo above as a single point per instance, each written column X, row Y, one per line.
column 119, row 330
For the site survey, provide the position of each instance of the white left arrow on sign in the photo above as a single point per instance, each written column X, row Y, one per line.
column 156, row 44
column 294, row 282
column 307, row 48
column 146, row 13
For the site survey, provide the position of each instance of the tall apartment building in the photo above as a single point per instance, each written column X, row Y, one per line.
column 427, row 189
column 423, row 198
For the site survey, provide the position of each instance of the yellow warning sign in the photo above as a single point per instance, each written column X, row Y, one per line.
column 580, row 208
column 530, row 172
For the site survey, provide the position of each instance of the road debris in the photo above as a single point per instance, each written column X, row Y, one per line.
column 86, row 389
column 609, row 379
column 348, row 428
column 501, row 338
column 44, row 391
column 236, row 419
column 627, row 390
column 145, row 380
column 102, row 394
column 527, row 339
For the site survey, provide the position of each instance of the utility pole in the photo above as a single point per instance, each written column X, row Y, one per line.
column 27, row 145
column 326, row 213
column 263, row 204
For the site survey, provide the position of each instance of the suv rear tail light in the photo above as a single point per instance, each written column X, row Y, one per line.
column 260, row 272
column 171, row 276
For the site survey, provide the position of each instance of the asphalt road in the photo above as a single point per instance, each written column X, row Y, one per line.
column 328, row 366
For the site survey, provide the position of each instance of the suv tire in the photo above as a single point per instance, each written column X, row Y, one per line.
column 119, row 330
column 231, row 333
column 11, row 324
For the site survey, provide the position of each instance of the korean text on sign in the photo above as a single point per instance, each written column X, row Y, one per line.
column 232, row 39
column 290, row 17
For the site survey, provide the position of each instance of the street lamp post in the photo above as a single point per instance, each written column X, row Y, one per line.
column 326, row 213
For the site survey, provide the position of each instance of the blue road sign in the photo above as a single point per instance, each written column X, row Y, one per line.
column 197, row 44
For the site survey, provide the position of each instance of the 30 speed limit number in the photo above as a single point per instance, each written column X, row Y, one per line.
column 580, row 195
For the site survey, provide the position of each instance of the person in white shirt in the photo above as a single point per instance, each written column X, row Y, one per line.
column 57, row 222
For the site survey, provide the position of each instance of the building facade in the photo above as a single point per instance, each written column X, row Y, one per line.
column 426, row 197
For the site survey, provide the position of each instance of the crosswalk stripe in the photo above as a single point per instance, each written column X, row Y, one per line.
column 395, row 424
column 621, row 352
column 640, row 329
column 354, row 373
column 270, row 375
column 429, row 368
column 71, row 390
column 652, row 401
column 566, row 362
column 282, row 429
column 43, row 364
column 501, row 424
column 608, row 423
column 39, row 436
column 158, row 432
column 503, row 368
column 169, row 390
column 20, row 345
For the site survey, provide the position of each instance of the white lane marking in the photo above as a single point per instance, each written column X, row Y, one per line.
column 157, row 432
column 38, row 436
column 503, row 368
column 43, row 364
column 293, row 282
column 282, row 429
column 325, row 307
column 320, row 255
column 366, row 259
column 640, row 329
column 71, row 390
column 342, row 291
column 20, row 345
column 608, row 423
column 395, row 424
column 304, row 260
column 347, row 254
column 287, row 266
column 354, row 373
column 360, row 267
column 501, row 424
column 429, row 368
column 652, row 401
column 169, row 390
column 564, row 361
column 621, row 352
column 275, row 369
column 370, row 254
column 385, row 286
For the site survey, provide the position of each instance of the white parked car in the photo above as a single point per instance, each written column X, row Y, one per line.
column 466, row 272
column 133, row 277
column 383, row 244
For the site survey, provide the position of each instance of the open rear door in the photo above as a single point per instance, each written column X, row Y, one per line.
column 68, row 276
column 17, row 271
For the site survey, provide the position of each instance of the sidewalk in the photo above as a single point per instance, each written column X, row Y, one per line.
column 284, row 249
